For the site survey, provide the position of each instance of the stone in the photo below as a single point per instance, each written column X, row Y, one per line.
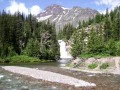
column 47, row 76
column 1, row 76
column 24, row 88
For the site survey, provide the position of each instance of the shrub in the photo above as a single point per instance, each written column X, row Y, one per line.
column 70, row 65
column 118, row 48
column 11, row 51
column 92, row 66
column 22, row 59
column 104, row 66
column 32, row 48
column 86, row 55
column 110, row 47
column 1, row 60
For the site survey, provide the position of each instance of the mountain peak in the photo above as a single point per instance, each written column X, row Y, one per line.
column 62, row 16
column 76, row 7
column 52, row 10
column 53, row 6
column 56, row 5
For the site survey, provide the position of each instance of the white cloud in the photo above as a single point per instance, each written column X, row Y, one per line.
column 35, row 10
column 102, row 11
column 110, row 3
column 105, row 2
column 15, row 7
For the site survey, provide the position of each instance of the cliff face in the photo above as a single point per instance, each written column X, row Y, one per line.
column 61, row 16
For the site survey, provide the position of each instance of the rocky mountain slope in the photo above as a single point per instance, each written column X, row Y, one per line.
column 61, row 16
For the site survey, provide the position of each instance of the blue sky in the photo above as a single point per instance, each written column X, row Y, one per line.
column 36, row 6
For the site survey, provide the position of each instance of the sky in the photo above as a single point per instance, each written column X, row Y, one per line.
column 36, row 6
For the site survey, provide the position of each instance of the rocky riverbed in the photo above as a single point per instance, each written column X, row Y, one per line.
column 48, row 76
column 102, row 81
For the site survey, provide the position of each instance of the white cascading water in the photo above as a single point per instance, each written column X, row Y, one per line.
column 64, row 54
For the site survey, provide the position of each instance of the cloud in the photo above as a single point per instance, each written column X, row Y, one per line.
column 15, row 7
column 110, row 3
column 105, row 2
column 35, row 10
column 102, row 11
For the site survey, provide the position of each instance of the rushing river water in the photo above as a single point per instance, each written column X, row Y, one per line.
column 10, row 81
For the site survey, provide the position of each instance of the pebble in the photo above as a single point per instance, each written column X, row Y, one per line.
column 90, row 75
column 24, row 88
column 8, row 80
column 53, row 87
column 1, row 76
column 10, row 74
column 48, row 76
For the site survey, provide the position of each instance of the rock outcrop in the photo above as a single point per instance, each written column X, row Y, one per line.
column 62, row 16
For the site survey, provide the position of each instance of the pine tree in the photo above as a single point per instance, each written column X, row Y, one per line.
column 4, row 35
column 18, row 33
column 48, row 43
column 32, row 48
column 107, row 28
column 78, row 43
column 117, row 26
column 79, row 25
column 110, row 47
column 95, row 42
column 98, row 18
column 117, row 46
column 67, row 31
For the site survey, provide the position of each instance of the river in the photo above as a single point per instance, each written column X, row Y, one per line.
column 11, row 81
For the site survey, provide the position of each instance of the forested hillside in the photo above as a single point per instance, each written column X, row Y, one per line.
column 23, row 35
column 99, row 36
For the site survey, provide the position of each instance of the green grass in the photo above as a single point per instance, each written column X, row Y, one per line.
column 88, row 55
column 22, row 59
column 104, row 66
column 92, row 66
column 70, row 65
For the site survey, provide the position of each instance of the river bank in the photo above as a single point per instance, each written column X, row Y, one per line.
column 108, row 65
column 48, row 76
column 91, row 71
column 14, row 81
column 102, row 81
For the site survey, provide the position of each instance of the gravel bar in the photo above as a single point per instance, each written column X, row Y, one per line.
column 48, row 76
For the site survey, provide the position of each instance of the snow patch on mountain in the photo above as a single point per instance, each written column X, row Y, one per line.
column 64, row 8
column 67, row 13
column 60, row 18
column 55, row 19
column 44, row 18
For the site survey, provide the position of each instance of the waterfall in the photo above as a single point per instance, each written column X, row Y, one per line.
column 64, row 54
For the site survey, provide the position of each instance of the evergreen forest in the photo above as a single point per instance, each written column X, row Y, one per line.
column 23, row 38
column 97, row 37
